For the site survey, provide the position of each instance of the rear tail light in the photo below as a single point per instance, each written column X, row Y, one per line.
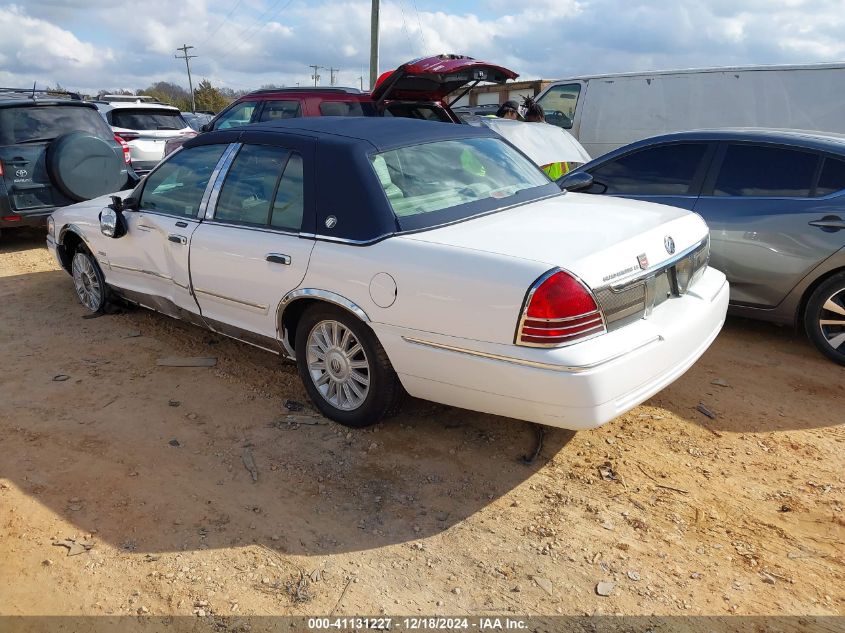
column 123, row 144
column 559, row 309
column 128, row 136
column 11, row 218
column 1, row 168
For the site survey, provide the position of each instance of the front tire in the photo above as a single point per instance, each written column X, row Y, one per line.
column 344, row 368
column 824, row 318
column 89, row 281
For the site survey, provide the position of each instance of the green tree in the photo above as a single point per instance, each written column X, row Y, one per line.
column 208, row 97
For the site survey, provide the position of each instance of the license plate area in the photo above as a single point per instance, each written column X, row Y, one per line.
column 32, row 200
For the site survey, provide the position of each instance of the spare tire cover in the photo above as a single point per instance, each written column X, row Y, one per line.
column 84, row 166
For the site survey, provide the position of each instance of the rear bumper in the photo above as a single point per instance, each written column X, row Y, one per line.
column 35, row 217
column 577, row 387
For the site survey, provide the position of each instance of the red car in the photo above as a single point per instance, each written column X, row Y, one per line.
column 417, row 89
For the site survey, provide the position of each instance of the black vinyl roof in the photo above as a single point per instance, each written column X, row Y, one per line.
column 340, row 181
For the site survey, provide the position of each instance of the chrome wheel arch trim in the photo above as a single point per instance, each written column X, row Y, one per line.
column 311, row 293
column 324, row 295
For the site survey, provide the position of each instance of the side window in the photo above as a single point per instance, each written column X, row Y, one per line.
column 346, row 108
column 250, row 184
column 832, row 178
column 667, row 170
column 756, row 170
column 177, row 186
column 559, row 104
column 276, row 110
column 241, row 114
column 288, row 205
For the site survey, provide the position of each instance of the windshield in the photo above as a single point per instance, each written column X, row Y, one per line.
column 27, row 124
column 431, row 177
column 132, row 119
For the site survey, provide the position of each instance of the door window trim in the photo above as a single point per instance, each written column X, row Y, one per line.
column 217, row 186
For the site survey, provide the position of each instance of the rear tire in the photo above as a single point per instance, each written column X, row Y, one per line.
column 344, row 368
column 824, row 318
column 88, row 280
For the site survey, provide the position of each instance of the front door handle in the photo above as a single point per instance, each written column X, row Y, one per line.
column 829, row 223
column 181, row 224
column 278, row 258
column 179, row 239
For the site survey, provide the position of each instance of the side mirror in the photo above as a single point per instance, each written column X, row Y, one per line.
column 205, row 127
column 575, row 181
column 112, row 222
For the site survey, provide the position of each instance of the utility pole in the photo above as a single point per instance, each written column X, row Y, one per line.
column 374, row 44
column 185, row 48
column 316, row 75
column 333, row 74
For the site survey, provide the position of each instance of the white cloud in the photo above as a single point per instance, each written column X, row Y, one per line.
column 86, row 44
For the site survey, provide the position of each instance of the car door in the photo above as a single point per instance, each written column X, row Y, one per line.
column 151, row 260
column 669, row 173
column 775, row 212
column 249, row 251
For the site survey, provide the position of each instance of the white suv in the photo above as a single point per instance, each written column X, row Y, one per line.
column 145, row 127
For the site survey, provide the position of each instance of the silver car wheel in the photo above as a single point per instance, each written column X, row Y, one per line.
column 338, row 365
column 87, row 283
column 832, row 320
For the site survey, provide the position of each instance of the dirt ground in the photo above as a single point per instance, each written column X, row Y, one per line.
column 143, row 468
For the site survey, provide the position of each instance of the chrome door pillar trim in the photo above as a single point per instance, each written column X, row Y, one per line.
column 215, row 182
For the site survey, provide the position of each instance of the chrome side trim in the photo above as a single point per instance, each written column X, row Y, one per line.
column 325, row 295
column 257, row 306
column 209, row 198
column 531, row 363
column 620, row 285
column 142, row 271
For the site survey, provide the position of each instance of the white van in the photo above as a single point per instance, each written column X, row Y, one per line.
column 607, row 111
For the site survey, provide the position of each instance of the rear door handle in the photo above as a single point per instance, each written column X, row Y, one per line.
column 179, row 239
column 181, row 224
column 278, row 258
column 829, row 223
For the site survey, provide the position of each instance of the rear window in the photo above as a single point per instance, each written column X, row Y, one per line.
column 347, row 108
column 431, row 177
column 133, row 119
column 29, row 124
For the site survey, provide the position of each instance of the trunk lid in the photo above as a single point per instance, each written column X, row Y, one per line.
column 432, row 78
column 601, row 240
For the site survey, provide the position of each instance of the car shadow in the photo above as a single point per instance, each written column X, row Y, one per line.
column 758, row 377
column 157, row 459
column 21, row 239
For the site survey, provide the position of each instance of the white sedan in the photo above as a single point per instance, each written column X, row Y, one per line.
column 392, row 255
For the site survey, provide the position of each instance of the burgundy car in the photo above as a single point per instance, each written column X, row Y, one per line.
column 417, row 89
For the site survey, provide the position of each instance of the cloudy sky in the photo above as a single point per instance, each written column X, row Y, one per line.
column 93, row 44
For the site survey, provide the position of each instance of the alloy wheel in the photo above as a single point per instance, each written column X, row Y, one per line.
column 88, row 287
column 338, row 365
column 832, row 320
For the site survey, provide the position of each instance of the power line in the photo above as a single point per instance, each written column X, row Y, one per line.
column 222, row 22
column 185, row 48
column 419, row 23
